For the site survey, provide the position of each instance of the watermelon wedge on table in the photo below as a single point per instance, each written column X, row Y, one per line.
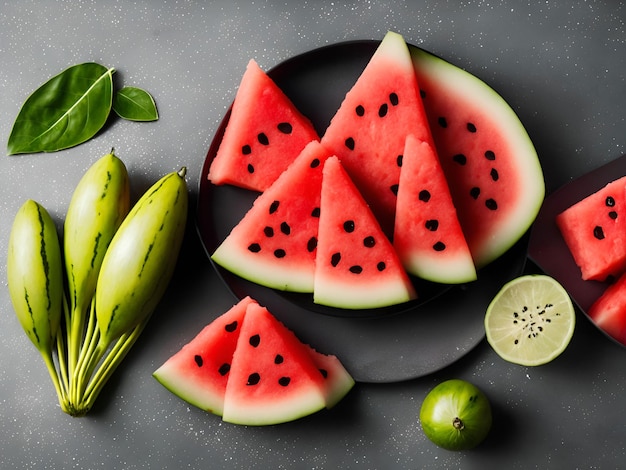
column 355, row 266
column 369, row 129
column 608, row 312
column 249, row 368
column 427, row 235
column 275, row 243
column 199, row 371
column 489, row 161
column 594, row 230
column 265, row 133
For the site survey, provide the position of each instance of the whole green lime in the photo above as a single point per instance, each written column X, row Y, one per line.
column 456, row 415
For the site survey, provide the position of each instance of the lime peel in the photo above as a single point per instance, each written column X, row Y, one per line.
column 531, row 320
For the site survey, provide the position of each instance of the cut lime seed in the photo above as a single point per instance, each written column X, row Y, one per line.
column 530, row 321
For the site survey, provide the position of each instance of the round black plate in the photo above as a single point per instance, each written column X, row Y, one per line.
column 547, row 248
column 386, row 345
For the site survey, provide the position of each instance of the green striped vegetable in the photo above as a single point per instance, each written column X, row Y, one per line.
column 98, row 206
column 35, row 280
column 135, row 272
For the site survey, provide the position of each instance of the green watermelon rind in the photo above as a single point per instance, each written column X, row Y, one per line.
column 471, row 88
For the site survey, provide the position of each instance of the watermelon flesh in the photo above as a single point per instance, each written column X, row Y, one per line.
column 198, row 373
column 427, row 235
column 489, row 161
column 264, row 134
column 356, row 265
column 594, row 230
column 249, row 368
column 369, row 129
column 608, row 312
column 273, row 378
column 276, row 241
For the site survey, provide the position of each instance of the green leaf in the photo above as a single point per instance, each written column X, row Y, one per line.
column 135, row 104
column 67, row 110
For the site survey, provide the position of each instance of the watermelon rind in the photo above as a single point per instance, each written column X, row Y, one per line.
column 469, row 91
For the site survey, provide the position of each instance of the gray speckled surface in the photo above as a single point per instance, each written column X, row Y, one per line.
column 561, row 65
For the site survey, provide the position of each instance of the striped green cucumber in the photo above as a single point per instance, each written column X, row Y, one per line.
column 140, row 260
column 98, row 206
column 35, row 274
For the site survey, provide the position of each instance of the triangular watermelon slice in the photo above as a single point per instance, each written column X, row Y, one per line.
column 264, row 134
column 428, row 235
column 273, row 378
column 369, row 129
column 356, row 265
column 198, row 373
column 304, row 380
column 274, row 244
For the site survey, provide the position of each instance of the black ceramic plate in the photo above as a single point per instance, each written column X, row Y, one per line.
column 548, row 250
column 387, row 345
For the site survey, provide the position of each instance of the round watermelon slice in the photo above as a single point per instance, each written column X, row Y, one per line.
column 490, row 163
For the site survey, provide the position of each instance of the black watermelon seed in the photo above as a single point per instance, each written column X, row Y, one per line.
column 491, row 204
column 424, row 195
column 285, row 228
column 250, row 168
column 399, row 159
column 274, row 206
column 253, row 379
column 311, row 245
column 262, row 138
column 246, row 150
column 285, row 127
column 356, row 269
column 432, row 225
column 254, row 248
column 490, row 155
column 369, row 242
column 381, row 266
column 460, row 159
column 494, row 174
column 284, row 381
column 315, row 212
column 442, row 122
column 350, row 143
column 255, row 340
column 231, row 326
column 268, row 231
column 224, row 369
column 334, row 259
column 348, row 226
column 198, row 360
column 393, row 99
column 324, row 373
column 613, row 215
column 394, row 189
column 278, row 359
column 475, row 192
column 610, row 202
column 315, row 163
column 598, row 232
column 471, row 127
column 439, row 246
column 280, row 253
column 382, row 111
column 360, row 110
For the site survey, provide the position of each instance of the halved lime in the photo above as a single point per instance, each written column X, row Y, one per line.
column 531, row 320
